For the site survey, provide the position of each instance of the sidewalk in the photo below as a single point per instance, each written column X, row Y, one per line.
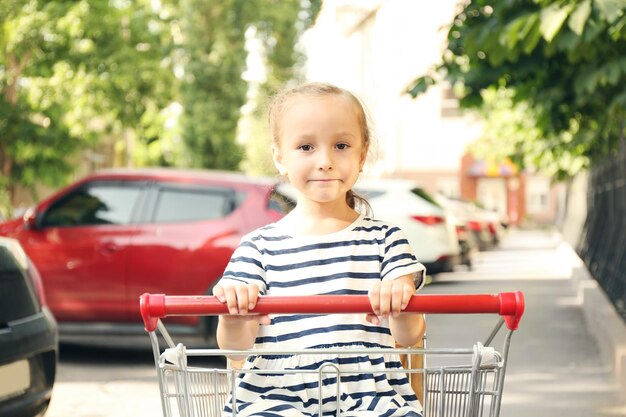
column 567, row 358
column 606, row 326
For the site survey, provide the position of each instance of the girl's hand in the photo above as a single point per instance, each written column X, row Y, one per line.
column 240, row 299
column 390, row 298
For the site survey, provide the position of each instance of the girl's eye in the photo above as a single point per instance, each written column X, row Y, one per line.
column 305, row 148
column 342, row 146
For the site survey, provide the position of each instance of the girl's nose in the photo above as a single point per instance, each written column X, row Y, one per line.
column 324, row 160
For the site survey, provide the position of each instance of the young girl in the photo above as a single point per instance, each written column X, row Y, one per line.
column 323, row 246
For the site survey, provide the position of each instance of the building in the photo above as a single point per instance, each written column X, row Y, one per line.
column 500, row 186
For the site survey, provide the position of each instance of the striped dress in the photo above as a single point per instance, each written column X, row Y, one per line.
column 344, row 262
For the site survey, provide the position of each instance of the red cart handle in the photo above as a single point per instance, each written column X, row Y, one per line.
column 510, row 305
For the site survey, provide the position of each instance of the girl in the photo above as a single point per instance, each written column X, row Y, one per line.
column 323, row 246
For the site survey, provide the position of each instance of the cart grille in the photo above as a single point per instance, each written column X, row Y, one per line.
column 449, row 392
column 196, row 391
column 454, row 393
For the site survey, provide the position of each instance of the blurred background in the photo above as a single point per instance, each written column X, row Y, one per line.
column 508, row 105
column 488, row 117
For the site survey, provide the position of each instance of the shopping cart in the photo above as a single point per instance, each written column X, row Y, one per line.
column 470, row 387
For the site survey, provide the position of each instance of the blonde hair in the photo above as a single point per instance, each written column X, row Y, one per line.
column 317, row 89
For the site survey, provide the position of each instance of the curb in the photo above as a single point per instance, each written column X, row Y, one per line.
column 603, row 321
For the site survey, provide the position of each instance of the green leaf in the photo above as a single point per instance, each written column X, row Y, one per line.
column 619, row 101
column 512, row 32
column 612, row 72
column 579, row 17
column 531, row 22
column 552, row 19
column 611, row 9
column 618, row 29
column 586, row 81
column 568, row 41
column 421, row 85
column 533, row 38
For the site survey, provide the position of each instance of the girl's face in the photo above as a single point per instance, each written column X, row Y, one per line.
column 320, row 147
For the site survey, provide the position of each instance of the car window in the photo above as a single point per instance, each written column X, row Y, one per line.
column 425, row 196
column 280, row 202
column 179, row 205
column 94, row 204
column 17, row 299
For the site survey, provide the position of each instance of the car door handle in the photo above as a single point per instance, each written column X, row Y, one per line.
column 110, row 247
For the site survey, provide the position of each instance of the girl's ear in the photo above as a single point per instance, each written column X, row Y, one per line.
column 278, row 161
column 363, row 158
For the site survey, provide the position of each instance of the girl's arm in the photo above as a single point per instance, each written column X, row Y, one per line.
column 388, row 299
column 238, row 330
column 407, row 329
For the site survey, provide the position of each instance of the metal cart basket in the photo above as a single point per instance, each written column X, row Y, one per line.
column 470, row 386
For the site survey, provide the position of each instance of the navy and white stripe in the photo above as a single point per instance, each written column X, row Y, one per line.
column 346, row 262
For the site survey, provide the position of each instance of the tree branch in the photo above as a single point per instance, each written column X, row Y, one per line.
column 15, row 70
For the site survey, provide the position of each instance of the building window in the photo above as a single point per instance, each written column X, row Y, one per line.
column 537, row 193
column 449, row 102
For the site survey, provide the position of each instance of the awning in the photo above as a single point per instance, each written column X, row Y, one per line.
column 491, row 168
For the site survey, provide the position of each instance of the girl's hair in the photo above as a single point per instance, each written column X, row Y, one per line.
column 316, row 89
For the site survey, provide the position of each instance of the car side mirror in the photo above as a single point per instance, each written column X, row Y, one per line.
column 30, row 219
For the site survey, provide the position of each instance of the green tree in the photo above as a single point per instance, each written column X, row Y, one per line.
column 561, row 63
column 280, row 32
column 213, row 90
column 71, row 72
column 214, row 56
column 75, row 73
column 32, row 136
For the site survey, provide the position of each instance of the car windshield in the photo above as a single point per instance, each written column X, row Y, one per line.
column 424, row 195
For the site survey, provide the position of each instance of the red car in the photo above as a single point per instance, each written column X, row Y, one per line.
column 106, row 239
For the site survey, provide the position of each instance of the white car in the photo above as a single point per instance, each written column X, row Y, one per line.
column 429, row 227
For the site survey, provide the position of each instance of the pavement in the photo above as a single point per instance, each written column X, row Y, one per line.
column 568, row 356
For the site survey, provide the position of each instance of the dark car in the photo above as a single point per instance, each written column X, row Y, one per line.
column 104, row 240
column 477, row 225
column 28, row 336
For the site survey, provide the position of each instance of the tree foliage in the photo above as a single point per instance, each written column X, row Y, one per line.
column 76, row 73
column 70, row 73
column 562, row 63
column 212, row 88
column 214, row 91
